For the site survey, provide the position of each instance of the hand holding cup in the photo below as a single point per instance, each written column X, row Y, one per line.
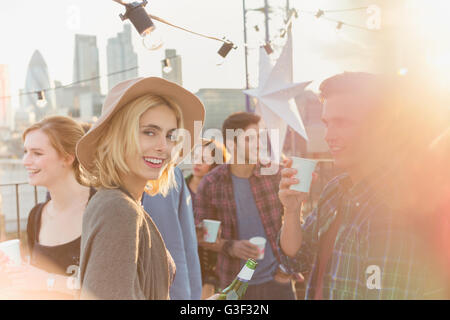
column 244, row 250
column 291, row 199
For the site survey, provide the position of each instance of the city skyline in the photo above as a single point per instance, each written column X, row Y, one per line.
column 319, row 51
column 54, row 38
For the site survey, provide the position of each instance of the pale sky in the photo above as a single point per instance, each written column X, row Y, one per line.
column 50, row 26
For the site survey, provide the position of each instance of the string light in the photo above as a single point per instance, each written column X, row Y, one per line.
column 41, row 101
column 268, row 48
column 319, row 13
column 144, row 25
column 42, row 94
column 167, row 67
column 224, row 50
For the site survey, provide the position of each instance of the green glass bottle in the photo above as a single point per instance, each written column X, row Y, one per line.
column 236, row 290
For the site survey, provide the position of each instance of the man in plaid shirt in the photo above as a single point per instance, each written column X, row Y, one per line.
column 355, row 245
column 246, row 202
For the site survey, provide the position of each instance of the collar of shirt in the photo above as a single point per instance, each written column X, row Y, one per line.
column 256, row 170
column 351, row 197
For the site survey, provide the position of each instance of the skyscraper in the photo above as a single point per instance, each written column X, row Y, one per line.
column 175, row 74
column 86, row 62
column 121, row 57
column 38, row 79
column 219, row 104
column 86, row 95
column 5, row 100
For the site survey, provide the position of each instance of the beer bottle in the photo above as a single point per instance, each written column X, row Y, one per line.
column 236, row 290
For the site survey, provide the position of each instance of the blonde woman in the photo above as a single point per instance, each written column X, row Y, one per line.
column 54, row 226
column 129, row 150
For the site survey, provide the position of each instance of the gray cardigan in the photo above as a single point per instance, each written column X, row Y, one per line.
column 123, row 255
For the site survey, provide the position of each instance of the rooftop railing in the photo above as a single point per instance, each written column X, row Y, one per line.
column 325, row 170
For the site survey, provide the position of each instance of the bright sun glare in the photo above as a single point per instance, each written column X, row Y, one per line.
column 434, row 26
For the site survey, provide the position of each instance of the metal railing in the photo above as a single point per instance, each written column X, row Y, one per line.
column 325, row 170
column 17, row 196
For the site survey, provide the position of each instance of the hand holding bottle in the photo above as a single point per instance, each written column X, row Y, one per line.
column 237, row 289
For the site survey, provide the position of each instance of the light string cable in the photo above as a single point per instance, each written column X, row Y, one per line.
column 70, row 84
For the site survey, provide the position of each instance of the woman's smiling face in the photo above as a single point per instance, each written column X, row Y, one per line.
column 42, row 162
column 157, row 129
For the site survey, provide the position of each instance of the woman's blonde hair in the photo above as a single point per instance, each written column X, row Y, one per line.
column 63, row 133
column 120, row 139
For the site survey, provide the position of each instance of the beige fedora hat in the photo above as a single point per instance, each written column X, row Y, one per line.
column 191, row 107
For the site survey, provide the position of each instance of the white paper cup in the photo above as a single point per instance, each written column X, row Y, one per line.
column 212, row 228
column 261, row 243
column 305, row 169
column 12, row 249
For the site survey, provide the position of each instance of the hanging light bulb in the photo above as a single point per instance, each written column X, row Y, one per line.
column 41, row 101
column 319, row 13
column 152, row 40
column 268, row 48
column 223, row 52
column 167, row 67
column 135, row 11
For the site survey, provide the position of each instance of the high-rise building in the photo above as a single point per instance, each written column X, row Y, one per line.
column 64, row 98
column 219, row 104
column 121, row 56
column 37, row 79
column 86, row 62
column 85, row 96
column 5, row 99
column 174, row 73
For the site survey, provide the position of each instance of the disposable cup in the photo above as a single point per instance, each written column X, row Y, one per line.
column 12, row 249
column 212, row 228
column 261, row 243
column 305, row 169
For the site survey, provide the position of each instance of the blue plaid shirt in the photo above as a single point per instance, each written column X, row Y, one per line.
column 375, row 255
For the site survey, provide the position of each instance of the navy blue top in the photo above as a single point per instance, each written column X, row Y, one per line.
column 250, row 225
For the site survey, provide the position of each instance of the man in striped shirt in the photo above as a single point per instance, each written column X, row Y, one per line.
column 355, row 245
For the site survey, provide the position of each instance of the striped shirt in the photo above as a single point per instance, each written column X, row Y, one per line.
column 375, row 255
